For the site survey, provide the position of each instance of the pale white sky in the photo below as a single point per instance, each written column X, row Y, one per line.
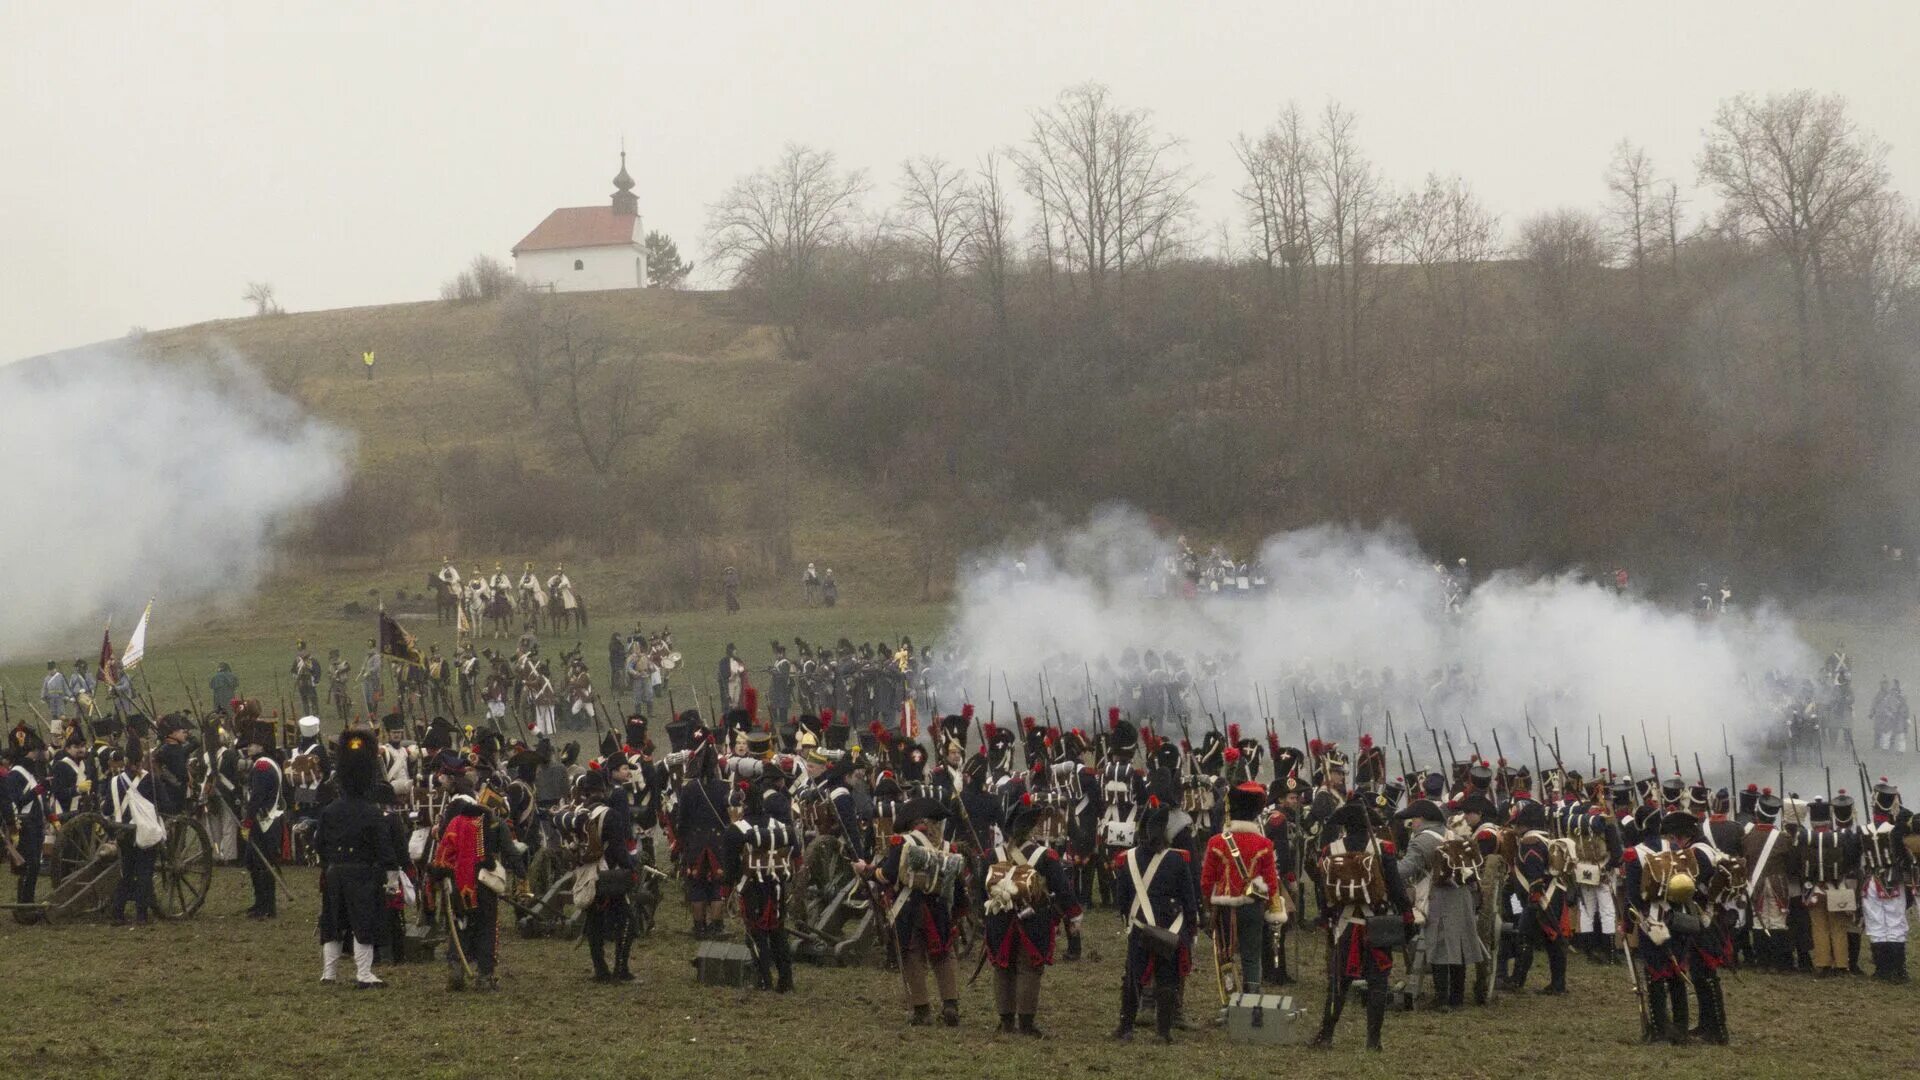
column 159, row 156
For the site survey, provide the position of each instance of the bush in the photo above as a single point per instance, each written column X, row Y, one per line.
column 484, row 279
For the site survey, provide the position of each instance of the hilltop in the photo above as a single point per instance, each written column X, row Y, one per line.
column 453, row 460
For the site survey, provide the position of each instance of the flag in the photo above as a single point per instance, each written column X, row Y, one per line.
column 396, row 643
column 106, row 655
column 460, row 627
column 909, row 719
column 137, row 644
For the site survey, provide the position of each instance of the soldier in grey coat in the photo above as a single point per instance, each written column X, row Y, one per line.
column 1434, row 868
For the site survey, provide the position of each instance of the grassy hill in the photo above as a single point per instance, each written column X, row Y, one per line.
column 442, row 397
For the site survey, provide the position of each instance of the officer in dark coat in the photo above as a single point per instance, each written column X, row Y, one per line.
column 700, row 827
column 1155, row 885
column 609, row 916
column 170, row 766
column 263, row 827
column 26, row 803
column 356, row 851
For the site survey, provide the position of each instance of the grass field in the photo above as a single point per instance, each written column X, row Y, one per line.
column 221, row 995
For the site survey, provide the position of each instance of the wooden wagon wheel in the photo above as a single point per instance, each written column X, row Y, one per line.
column 80, row 838
column 184, row 871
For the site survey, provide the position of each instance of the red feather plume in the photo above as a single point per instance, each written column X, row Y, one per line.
column 1366, row 742
column 1232, row 753
column 750, row 701
column 1028, row 722
column 1233, row 733
column 966, row 711
column 826, row 717
column 1113, row 715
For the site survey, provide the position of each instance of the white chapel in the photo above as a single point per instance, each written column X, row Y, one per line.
column 587, row 248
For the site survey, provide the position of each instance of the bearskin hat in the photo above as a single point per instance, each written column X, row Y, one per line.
column 23, row 740
column 913, row 764
column 1211, row 754
column 1528, row 814
column 359, row 762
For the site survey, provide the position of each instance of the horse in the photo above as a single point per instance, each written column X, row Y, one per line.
column 533, row 601
column 446, row 604
column 476, row 602
column 566, row 610
column 500, row 613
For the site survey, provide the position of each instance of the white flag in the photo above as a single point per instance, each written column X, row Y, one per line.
column 137, row 644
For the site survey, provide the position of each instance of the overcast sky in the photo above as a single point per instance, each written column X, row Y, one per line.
column 160, row 156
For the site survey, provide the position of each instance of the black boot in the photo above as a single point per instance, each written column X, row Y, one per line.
column 950, row 1012
column 1677, row 1025
column 1442, row 987
column 1165, row 1004
column 1006, row 1023
column 1073, row 944
column 922, row 1015
column 782, row 961
column 1656, row 1028
column 1713, row 1025
column 1027, row 1027
column 1376, row 1015
column 597, row 949
column 1556, row 971
column 1853, row 954
column 622, row 949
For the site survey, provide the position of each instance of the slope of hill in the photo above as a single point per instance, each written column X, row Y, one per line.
column 454, row 460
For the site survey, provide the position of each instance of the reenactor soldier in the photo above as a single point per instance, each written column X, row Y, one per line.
column 1364, row 906
column 1443, row 871
column 1240, row 880
column 26, row 805
column 1678, row 942
column 761, row 852
column 1539, row 881
column 356, row 849
column 924, row 874
column 262, row 827
column 1830, row 861
column 1025, row 897
column 1886, row 874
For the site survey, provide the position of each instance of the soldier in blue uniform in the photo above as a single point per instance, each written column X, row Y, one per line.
column 1025, row 897
column 1543, row 901
column 700, row 825
column 26, row 804
column 761, row 852
column 262, row 827
column 926, row 906
column 1156, row 886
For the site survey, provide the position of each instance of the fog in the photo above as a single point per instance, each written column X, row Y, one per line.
column 1560, row 653
column 127, row 479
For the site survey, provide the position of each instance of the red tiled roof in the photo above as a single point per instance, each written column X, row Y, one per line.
column 578, row 227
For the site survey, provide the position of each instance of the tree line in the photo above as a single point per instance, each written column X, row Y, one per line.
column 1639, row 381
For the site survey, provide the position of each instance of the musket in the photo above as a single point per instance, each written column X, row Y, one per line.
column 1314, row 711
column 1539, row 778
column 1609, row 749
column 1700, row 773
column 1438, row 757
column 1639, row 984
column 1733, row 784
column 1467, row 733
column 1498, row 750
column 1626, row 760
column 1452, row 762
column 1647, row 741
column 1017, row 715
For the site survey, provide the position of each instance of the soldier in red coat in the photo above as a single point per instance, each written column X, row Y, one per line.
column 1240, row 880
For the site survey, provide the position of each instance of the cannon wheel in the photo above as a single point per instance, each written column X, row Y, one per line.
column 80, row 839
column 184, row 870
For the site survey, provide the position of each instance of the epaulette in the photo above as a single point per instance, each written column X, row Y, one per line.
column 262, row 763
column 1185, row 855
column 895, row 840
column 1386, row 847
column 1632, row 854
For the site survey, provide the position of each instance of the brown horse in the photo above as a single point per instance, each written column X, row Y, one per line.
column 446, row 602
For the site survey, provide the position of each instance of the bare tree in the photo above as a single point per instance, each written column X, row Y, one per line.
column 1670, row 204
column 522, row 334
column 1109, row 188
column 1446, row 232
column 774, row 225
column 1278, row 168
column 1565, row 249
column 1352, row 214
column 1633, row 205
column 986, row 227
column 602, row 385
column 260, row 295
column 1792, row 168
column 932, row 210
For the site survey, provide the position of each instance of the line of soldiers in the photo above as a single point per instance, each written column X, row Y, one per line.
column 997, row 838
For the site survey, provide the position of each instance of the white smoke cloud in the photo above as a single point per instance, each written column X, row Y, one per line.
column 126, row 478
column 1367, row 610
